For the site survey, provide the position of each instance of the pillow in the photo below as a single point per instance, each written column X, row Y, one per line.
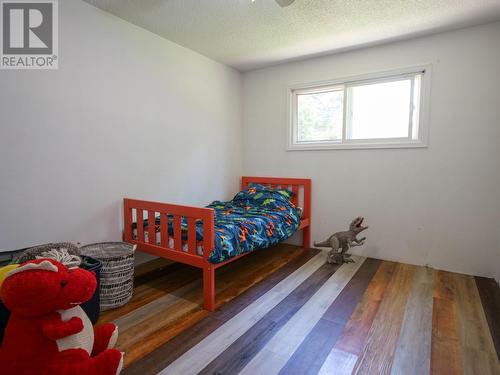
column 259, row 195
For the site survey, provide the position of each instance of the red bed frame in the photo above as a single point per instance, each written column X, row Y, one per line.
column 300, row 186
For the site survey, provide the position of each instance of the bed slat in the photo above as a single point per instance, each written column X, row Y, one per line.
column 151, row 228
column 140, row 224
column 163, row 230
column 177, row 233
column 192, row 236
column 208, row 234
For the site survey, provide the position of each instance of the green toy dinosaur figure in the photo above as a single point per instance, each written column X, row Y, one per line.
column 343, row 240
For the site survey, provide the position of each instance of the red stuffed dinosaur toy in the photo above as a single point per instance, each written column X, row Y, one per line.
column 48, row 332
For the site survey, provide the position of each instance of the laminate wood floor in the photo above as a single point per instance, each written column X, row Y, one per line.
column 284, row 311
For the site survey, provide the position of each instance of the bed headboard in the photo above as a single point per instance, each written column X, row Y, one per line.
column 301, row 187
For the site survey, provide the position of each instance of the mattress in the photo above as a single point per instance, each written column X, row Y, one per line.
column 256, row 218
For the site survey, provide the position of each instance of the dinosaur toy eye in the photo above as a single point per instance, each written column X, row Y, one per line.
column 63, row 283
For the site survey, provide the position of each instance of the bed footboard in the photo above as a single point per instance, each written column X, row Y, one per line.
column 156, row 240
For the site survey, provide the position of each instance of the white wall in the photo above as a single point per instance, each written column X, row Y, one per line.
column 434, row 206
column 128, row 114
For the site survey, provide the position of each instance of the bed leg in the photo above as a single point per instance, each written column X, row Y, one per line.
column 306, row 238
column 209, row 288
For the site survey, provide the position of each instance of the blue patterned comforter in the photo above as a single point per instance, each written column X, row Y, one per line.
column 256, row 218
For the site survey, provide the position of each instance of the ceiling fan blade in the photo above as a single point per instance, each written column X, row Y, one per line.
column 284, row 3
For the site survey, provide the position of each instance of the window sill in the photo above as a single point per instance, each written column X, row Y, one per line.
column 355, row 146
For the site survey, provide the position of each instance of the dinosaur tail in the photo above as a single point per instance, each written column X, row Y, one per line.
column 322, row 244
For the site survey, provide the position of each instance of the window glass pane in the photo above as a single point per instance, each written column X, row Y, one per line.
column 417, row 84
column 379, row 110
column 320, row 116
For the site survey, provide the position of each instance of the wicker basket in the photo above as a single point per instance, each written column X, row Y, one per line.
column 117, row 272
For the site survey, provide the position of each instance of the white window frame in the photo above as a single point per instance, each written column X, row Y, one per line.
column 344, row 84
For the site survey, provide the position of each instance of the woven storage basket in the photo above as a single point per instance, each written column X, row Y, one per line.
column 117, row 272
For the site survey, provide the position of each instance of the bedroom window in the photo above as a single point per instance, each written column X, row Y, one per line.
column 385, row 110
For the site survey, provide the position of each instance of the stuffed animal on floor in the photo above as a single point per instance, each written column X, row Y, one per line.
column 48, row 332
column 343, row 241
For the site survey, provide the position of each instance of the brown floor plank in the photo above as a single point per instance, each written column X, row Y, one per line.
column 377, row 355
column 151, row 266
column 413, row 351
column 232, row 280
column 153, row 289
column 153, row 270
column 446, row 354
column 263, row 284
column 150, row 317
column 154, row 308
column 147, row 344
column 178, row 345
column 237, row 356
column 157, row 283
column 478, row 351
column 313, row 351
column 151, row 331
column 489, row 291
column 355, row 333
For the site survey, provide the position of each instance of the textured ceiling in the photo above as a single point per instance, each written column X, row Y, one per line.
column 248, row 35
